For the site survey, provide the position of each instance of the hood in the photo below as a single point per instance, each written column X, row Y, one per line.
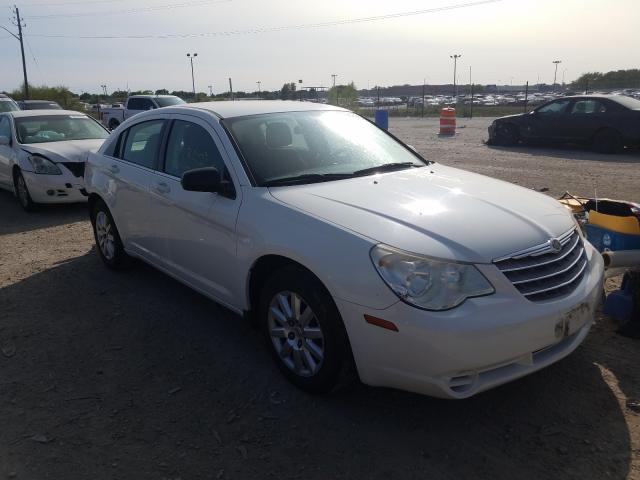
column 515, row 116
column 437, row 211
column 65, row 151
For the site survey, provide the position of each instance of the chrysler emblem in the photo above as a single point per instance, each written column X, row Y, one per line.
column 555, row 245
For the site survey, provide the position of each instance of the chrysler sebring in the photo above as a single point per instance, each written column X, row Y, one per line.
column 345, row 246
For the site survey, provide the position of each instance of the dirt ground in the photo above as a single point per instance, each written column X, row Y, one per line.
column 131, row 375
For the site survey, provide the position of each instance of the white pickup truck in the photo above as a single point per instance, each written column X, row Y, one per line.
column 112, row 117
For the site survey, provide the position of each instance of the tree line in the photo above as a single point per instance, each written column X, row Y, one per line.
column 610, row 80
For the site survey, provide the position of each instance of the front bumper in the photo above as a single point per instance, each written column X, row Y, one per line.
column 65, row 188
column 486, row 342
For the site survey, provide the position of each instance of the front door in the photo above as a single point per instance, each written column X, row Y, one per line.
column 6, row 152
column 198, row 227
column 549, row 121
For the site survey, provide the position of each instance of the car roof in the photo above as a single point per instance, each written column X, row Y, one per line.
column 624, row 100
column 43, row 113
column 230, row 109
column 38, row 101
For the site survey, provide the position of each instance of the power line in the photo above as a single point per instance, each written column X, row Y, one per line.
column 258, row 30
column 199, row 3
column 60, row 4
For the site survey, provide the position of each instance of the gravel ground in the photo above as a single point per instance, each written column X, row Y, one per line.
column 132, row 375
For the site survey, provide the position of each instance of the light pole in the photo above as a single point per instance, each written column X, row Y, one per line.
column 563, row 74
column 211, row 90
column 104, row 89
column 555, row 74
column 455, row 73
column 193, row 80
column 259, row 88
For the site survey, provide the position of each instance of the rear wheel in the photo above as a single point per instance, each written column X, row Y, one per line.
column 22, row 192
column 608, row 141
column 303, row 330
column 506, row 134
column 107, row 238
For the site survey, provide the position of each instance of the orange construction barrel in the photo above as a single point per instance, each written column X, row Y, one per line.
column 448, row 121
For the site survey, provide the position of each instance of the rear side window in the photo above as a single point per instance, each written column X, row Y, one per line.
column 142, row 143
column 191, row 146
column 139, row 104
column 587, row 107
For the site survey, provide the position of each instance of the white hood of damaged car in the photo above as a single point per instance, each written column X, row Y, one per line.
column 64, row 151
column 437, row 211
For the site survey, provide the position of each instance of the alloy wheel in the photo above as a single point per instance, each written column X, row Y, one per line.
column 296, row 333
column 104, row 235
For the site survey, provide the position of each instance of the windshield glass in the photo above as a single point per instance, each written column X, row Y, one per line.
column 316, row 145
column 8, row 106
column 168, row 101
column 57, row 128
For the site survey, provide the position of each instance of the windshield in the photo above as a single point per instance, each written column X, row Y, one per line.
column 8, row 106
column 58, row 128
column 316, row 146
column 168, row 101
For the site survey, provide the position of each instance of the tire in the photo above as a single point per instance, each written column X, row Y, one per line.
column 22, row 192
column 311, row 348
column 608, row 141
column 506, row 135
column 113, row 124
column 108, row 242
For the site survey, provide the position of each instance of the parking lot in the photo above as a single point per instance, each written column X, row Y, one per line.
column 132, row 375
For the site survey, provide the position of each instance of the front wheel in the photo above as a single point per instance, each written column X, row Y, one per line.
column 506, row 135
column 107, row 238
column 303, row 330
column 22, row 192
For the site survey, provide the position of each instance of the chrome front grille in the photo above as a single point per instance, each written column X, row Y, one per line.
column 542, row 274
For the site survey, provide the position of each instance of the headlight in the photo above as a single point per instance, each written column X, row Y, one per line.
column 428, row 283
column 43, row 166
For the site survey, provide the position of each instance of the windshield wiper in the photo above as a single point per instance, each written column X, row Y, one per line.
column 306, row 178
column 385, row 167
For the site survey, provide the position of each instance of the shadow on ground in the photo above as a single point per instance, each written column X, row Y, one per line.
column 571, row 152
column 13, row 219
column 132, row 375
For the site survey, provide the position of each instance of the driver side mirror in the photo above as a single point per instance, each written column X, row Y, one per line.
column 207, row 179
column 4, row 141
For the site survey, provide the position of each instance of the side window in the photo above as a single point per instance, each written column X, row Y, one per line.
column 142, row 143
column 554, row 108
column 146, row 104
column 585, row 107
column 191, row 146
column 5, row 127
column 135, row 104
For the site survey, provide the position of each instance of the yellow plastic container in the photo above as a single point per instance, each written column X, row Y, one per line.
column 628, row 225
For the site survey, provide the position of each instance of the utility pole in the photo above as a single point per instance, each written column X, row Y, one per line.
column 231, row 89
column 193, row 80
column 104, row 89
column 455, row 72
column 334, row 86
column 17, row 21
column 424, row 84
column 555, row 75
column 259, row 88
column 211, row 90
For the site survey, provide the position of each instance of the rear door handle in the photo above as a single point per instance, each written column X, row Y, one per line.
column 161, row 188
column 114, row 169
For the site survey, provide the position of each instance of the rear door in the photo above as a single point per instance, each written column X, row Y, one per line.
column 132, row 170
column 586, row 116
column 198, row 228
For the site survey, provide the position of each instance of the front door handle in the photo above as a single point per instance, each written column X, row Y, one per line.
column 161, row 188
column 114, row 169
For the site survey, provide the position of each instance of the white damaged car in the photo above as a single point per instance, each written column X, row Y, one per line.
column 346, row 246
column 43, row 154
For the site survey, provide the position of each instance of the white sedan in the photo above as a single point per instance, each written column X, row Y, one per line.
column 43, row 153
column 346, row 246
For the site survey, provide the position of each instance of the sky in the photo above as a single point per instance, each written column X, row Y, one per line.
column 503, row 41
